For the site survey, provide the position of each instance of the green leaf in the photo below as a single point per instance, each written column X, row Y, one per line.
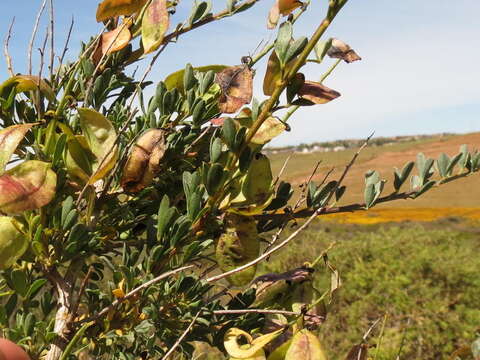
column 321, row 49
column 199, row 11
column 198, row 113
column 369, row 195
column 20, row 282
column 189, row 79
column 295, row 48
column 10, row 137
column 34, row 288
column 214, row 178
column 28, row 186
column 401, row 177
column 322, row 194
column 442, row 165
column 228, row 132
column 154, row 25
column 305, row 346
column 165, row 214
column 215, row 149
column 283, row 41
column 453, row 162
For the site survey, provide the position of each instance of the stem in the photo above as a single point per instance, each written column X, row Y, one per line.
column 74, row 341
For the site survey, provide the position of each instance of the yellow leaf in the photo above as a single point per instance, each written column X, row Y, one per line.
column 111, row 8
column 270, row 129
column 10, row 137
column 251, row 348
column 154, row 25
column 24, row 83
column 305, row 346
column 13, row 243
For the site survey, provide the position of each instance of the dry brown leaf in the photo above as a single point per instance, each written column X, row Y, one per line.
column 144, row 161
column 317, row 93
column 236, row 84
column 341, row 50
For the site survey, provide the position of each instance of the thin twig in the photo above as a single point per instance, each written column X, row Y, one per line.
column 81, row 291
column 52, row 39
column 102, row 61
column 133, row 292
column 180, row 339
column 34, row 34
column 284, row 166
column 380, row 338
column 261, row 311
column 8, row 58
column 370, row 329
column 42, row 53
column 65, row 48
column 347, row 169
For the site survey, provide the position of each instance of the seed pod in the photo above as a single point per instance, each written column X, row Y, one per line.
column 13, row 243
column 257, row 187
column 144, row 161
column 237, row 246
column 11, row 351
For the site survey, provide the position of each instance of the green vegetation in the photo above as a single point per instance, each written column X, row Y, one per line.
column 422, row 277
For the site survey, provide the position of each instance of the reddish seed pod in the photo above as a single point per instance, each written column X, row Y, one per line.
column 11, row 351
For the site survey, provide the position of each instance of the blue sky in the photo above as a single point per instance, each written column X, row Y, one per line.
column 419, row 72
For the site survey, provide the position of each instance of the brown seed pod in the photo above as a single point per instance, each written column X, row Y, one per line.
column 144, row 161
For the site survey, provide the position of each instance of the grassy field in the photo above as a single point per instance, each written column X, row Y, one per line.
column 421, row 279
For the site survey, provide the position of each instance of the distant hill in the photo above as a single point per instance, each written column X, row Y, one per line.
column 383, row 155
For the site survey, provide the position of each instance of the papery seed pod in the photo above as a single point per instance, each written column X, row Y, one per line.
column 237, row 246
column 257, row 187
column 13, row 243
column 144, row 161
